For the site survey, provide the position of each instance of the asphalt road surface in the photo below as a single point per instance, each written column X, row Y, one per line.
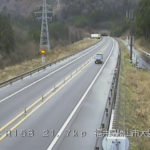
column 58, row 124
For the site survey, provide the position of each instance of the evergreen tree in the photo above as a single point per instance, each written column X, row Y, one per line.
column 143, row 18
column 7, row 43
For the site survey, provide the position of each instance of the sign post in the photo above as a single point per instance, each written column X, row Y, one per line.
column 43, row 52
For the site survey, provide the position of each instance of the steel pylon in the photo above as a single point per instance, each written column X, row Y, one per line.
column 44, row 38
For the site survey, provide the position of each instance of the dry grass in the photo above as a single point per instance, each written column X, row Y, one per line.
column 142, row 44
column 134, row 112
column 125, row 35
column 55, row 54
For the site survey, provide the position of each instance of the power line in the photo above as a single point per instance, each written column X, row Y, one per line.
column 45, row 17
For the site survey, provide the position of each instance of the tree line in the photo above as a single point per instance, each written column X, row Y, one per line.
column 7, row 42
column 142, row 20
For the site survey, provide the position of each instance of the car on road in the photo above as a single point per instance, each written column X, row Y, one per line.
column 99, row 59
column 104, row 34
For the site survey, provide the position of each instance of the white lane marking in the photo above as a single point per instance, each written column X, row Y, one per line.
column 79, row 103
column 91, row 49
column 58, row 88
column 111, row 122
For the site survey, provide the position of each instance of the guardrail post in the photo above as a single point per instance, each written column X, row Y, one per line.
column 54, row 87
column 114, row 76
column 21, row 78
column 106, row 112
column 103, row 126
column 25, row 111
column 109, row 100
column 112, row 83
column 111, row 91
column 42, row 99
column 96, row 148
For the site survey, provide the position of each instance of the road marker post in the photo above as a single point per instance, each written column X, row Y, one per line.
column 25, row 111
column 106, row 112
column 109, row 100
column 42, row 99
column 43, row 53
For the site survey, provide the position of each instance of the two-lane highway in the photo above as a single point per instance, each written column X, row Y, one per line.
column 39, row 130
column 22, row 94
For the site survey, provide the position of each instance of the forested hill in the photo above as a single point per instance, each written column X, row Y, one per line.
column 72, row 20
column 69, row 7
column 21, row 7
column 83, row 7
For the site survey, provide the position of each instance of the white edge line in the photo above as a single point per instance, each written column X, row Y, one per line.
column 4, row 99
column 79, row 103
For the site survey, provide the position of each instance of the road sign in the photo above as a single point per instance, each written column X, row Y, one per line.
column 43, row 51
column 115, row 143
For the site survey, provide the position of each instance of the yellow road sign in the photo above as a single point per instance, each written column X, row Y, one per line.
column 43, row 51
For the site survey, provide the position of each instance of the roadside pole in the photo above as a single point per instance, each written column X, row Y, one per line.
column 131, row 46
column 43, row 53
column 130, row 17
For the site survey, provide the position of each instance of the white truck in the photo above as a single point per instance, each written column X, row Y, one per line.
column 95, row 36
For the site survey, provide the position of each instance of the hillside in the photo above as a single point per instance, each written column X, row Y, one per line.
column 25, row 7
column 15, row 7
column 72, row 21
column 22, row 7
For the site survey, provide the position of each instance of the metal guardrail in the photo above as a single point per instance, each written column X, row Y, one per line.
column 10, row 81
column 140, row 50
column 109, row 106
column 42, row 100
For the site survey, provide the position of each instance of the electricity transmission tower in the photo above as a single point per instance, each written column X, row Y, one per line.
column 44, row 37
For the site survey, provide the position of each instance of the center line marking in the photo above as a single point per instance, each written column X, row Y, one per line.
column 4, row 99
column 43, row 102
column 78, row 105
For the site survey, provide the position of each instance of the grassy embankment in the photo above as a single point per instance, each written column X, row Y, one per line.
column 134, row 111
column 55, row 54
column 142, row 44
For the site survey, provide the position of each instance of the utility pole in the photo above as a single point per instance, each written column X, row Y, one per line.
column 44, row 37
column 58, row 4
column 131, row 33
column 131, row 43
column 130, row 17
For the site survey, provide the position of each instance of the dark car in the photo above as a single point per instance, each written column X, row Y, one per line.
column 99, row 59
column 104, row 34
